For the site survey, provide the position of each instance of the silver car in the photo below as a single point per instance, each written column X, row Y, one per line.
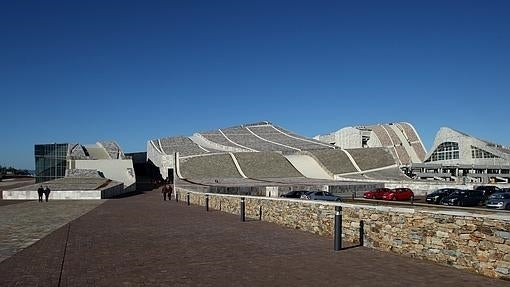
column 499, row 200
column 320, row 195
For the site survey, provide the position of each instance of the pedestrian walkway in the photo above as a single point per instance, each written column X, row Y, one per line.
column 145, row 241
column 26, row 222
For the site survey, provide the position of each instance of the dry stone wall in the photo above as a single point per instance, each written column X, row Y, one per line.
column 479, row 243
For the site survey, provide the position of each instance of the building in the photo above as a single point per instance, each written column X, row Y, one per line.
column 400, row 138
column 58, row 160
column 456, row 156
column 50, row 161
column 265, row 152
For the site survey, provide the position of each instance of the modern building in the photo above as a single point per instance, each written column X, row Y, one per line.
column 50, row 161
column 456, row 156
column 400, row 138
column 265, row 152
column 58, row 160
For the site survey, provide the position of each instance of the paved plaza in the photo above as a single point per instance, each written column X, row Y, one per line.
column 25, row 223
column 145, row 241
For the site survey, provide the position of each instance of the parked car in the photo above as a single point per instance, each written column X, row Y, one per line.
column 499, row 200
column 464, row 198
column 321, row 195
column 487, row 190
column 436, row 196
column 294, row 193
column 376, row 193
column 401, row 193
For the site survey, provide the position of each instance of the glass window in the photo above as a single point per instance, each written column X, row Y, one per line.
column 445, row 151
column 480, row 153
column 50, row 161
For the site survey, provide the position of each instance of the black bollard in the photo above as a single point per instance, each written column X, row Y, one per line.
column 176, row 196
column 260, row 213
column 207, row 202
column 243, row 217
column 353, row 196
column 361, row 232
column 188, row 198
column 338, row 228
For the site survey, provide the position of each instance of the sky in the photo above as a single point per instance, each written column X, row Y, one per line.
column 131, row 71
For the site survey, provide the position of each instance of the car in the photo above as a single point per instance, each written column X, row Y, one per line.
column 294, row 193
column 400, row 193
column 436, row 196
column 320, row 195
column 375, row 193
column 487, row 190
column 499, row 200
column 464, row 198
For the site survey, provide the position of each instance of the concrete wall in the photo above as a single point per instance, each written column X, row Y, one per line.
column 479, row 243
column 109, row 192
column 54, row 195
column 163, row 161
column 115, row 169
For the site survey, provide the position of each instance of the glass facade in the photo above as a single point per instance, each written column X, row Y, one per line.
column 445, row 151
column 480, row 153
column 50, row 161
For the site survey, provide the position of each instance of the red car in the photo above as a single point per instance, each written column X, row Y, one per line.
column 376, row 193
column 398, row 194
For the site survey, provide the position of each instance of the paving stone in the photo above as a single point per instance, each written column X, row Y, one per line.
column 145, row 241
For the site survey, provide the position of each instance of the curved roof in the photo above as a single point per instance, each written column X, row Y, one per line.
column 400, row 138
column 455, row 147
column 252, row 137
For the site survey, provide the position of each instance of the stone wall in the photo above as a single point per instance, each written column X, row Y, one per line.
column 479, row 243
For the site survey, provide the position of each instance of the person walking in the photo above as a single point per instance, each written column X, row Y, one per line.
column 165, row 191
column 46, row 193
column 40, row 192
column 170, row 191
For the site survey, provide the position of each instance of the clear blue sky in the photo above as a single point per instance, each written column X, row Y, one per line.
column 82, row 71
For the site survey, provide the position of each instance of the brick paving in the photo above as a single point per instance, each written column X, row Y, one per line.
column 26, row 222
column 145, row 241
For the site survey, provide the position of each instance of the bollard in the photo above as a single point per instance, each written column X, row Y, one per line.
column 361, row 232
column 243, row 218
column 260, row 213
column 338, row 228
column 188, row 198
column 353, row 196
column 176, row 196
column 207, row 202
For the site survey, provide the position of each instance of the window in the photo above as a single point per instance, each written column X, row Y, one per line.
column 445, row 151
column 480, row 153
column 50, row 161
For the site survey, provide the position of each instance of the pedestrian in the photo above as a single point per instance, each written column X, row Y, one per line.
column 165, row 191
column 46, row 193
column 40, row 192
column 170, row 191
